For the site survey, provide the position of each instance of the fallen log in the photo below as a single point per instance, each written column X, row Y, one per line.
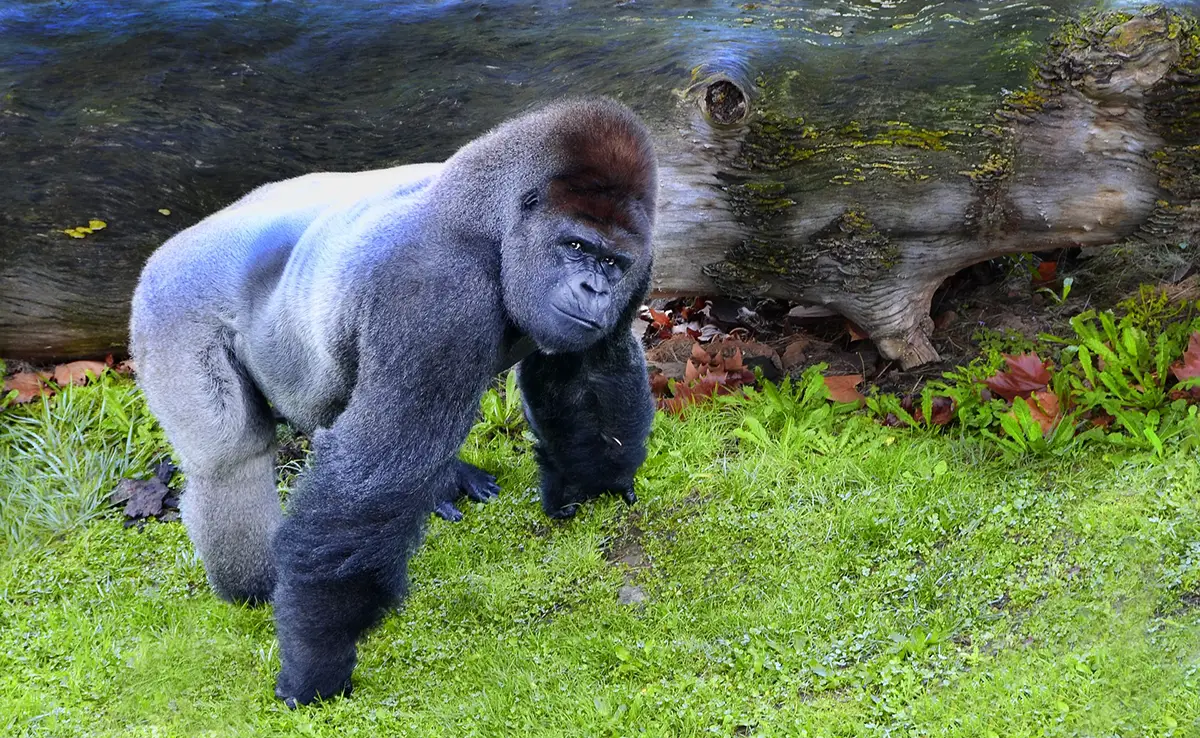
column 853, row 175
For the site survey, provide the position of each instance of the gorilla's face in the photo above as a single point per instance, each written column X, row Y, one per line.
column 569, row 277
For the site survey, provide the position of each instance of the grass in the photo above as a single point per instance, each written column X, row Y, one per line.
column 61, row 457
column 831, row 578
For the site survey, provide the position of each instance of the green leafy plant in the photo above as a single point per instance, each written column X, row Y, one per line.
column 1151, row 308
column 500, row 411
column 1059, row 296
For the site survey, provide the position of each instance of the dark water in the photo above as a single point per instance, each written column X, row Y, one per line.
column 112, row 109
column 353, row 80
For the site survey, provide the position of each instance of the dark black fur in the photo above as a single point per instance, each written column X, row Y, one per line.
column 373, row 310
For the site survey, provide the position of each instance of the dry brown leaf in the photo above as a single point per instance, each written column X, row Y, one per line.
column 842, row 387
column 29, row 385
column 659, row 383
column 76, row 372
column 1189, row 367
column 1101, row 419
column 659, row 319
column 793, row 355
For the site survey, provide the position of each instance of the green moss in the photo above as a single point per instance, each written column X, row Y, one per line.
column 778, row 141
column 996, row 166
column 1026, row 101
column 760, row 202
column 849, row 253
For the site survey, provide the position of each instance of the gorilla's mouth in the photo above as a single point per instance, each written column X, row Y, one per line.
column 588, row 322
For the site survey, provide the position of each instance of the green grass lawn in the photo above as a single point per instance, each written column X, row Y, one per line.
column 837, row 578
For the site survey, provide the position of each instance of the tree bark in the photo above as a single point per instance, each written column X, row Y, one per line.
column 780, row 176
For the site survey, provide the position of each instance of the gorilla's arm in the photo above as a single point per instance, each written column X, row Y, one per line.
column 591, row 412
column 343, row 548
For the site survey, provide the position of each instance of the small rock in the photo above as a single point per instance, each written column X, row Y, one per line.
column 630, row 595
column 669, row 369
column 943, row 320
column 810, row 311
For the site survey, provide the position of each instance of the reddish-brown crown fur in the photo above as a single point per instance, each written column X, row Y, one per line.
column 610, row 173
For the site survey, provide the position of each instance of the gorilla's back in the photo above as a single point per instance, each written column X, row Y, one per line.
column 272, row 271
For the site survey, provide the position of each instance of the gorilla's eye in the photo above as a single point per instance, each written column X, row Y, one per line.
column 577, row 245
column 609, row 261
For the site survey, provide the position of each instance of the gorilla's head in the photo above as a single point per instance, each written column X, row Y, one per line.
column 575, row 261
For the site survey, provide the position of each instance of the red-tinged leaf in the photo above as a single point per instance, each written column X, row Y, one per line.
column 693, row 334
column 942, row 410
column 1043, row 407
column 1047, row 271
column 76, row 372
column 1026, row 374
column 696, row 307
column 659, row 319
column 659, row 384
column 673, row 405
column 891, row 420
column 1101, row 419
column 842, row 387
column 856, row 333
column 700, row 356
column 1189, row 367
column 29, row 385
column 691, row 372
column 717, row 377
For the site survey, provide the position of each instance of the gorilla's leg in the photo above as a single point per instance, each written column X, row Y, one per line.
column 223, row 432
column 473, row 483
column 591, row 413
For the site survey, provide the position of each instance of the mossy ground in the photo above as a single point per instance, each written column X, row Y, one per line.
column 838, row 578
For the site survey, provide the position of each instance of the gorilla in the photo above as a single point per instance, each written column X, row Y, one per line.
column 372, row 310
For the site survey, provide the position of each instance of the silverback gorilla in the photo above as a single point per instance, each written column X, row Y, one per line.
column 372, row 310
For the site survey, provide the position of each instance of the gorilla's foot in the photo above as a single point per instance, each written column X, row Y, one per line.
column 292, row 695
column 249, row 585
column 476, row 484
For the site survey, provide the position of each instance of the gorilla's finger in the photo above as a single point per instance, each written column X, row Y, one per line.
column 447, row 511
column 565, row 512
